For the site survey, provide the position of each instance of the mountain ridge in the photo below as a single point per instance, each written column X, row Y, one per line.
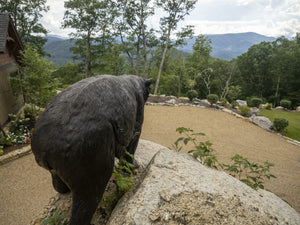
column 225, row 46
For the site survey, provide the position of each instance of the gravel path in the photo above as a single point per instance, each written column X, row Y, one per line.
column 25, row 188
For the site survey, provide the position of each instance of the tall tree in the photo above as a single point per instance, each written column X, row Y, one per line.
column 132, row 29
column 176, row 11
column 90, row 19
column 26, row 15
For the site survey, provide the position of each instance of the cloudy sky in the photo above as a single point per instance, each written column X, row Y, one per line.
column 268, row 17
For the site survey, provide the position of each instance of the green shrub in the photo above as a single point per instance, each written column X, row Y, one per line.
column 269, row 106
column 202, row 151
column 212, row 98
column 245, row 110
column 5, row 141
column 255, row 102
column 280, row 124
column 191, row 94
column 31, row 113
column 252, row 174
column 285, row 103
column 223, row 101
column 56, row 219
column 234, row 104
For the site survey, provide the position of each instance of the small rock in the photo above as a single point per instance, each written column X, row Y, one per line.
column 279, row 108
column 241, row 103
column 254, row 111
column 298, row 109
column 171, row 101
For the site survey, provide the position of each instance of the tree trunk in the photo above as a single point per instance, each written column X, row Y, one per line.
column 88, row 57
column 277, row 89
column 144, row 52
column 137, row 57
column 162, row 61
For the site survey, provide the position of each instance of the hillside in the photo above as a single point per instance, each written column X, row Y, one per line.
column 225, row 46
column 229, row 46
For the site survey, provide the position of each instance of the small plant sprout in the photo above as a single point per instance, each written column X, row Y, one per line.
column 56, row 219
column 202, row 151
column 252, row 174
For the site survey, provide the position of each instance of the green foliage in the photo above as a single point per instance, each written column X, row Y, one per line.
column 270, row 70
column 122, row 174
column 269, row 106
column 1, row 150
column 234, row 92
column 234, row 104
column 255, row 102
column 68, row 73
column 212, row 98
column 31, row 114
column 286, row 103
column 5, row 141
column 56, row 219
column 191, row 94
column 223, row 101
column 38, row 86
column 202, row 150
column 280, row 124
column 245, row 110
column 252, row 174
column 293, row 118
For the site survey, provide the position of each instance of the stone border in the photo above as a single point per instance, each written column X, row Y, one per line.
column 15, row 154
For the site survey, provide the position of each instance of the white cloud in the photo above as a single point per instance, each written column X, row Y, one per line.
column 267, row 17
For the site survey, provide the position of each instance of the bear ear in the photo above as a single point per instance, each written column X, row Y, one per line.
column 148, row 82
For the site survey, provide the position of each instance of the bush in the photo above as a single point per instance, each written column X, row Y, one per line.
column 285, row 103
column 269, row 106
column 280, row 124
column 245, row 110
column 234, row 104
column 223, row 101
column 255, row 102
column 191, row 94
column 212, row 98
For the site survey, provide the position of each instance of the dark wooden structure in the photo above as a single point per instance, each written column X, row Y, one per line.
column 10, row 54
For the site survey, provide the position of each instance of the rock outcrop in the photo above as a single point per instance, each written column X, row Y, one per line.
column 173, row 188
column 177, row 189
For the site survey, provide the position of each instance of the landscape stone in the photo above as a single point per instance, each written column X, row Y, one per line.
column 177, row 189
column 171, row 101
column 254, row 111
column 298, row 109
column 263, row 122
column 241, row 103
column 279, row 108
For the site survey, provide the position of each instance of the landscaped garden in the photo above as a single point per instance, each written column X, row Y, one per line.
column 293, row 129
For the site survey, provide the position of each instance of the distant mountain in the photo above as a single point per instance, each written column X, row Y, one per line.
column 225, row 46
column 229, row 46
column 59, row 49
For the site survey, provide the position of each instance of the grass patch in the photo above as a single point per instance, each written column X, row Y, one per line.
column 293, row 130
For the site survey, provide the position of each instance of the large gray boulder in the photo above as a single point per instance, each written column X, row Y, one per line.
column 263, row 122
column 176, row 189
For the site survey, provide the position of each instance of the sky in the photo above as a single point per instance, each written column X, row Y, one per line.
column 272, row 18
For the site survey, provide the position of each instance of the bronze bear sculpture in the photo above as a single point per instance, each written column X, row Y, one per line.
column 83, row 129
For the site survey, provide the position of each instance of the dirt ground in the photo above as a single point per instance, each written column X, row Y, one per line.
column 26, row 188
column 231, row 136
